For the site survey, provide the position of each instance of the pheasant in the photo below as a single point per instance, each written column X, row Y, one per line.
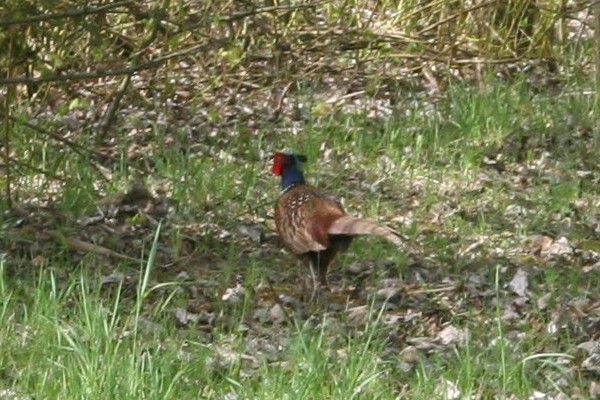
column 312, row 223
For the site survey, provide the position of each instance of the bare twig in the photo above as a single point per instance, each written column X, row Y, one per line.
column 79, row 149
column 7, row 126
column 7, row 151
column 110, row 72
column 279, row 302
column 111, row 113
column 79, row 12
column 280, row 99
column 260, row 10
column 596, row 11
column 83, row 75
column 85, row 247
column 454, row 16
column 76, row 148
column 82, row 151
column 45, row 172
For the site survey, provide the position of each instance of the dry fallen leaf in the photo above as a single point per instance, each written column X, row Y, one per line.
column 388, row 293
column 358, row 315
column 559, row 247
column 114, row 277
column 542, row 302
column 409, row 355
column 450, row 335
column 447, row 390
column 234, row 295
column 253, row 231
column 277, row 314
column 519, row 283
column 185, row 317
column 594, row 390
column 592, row 363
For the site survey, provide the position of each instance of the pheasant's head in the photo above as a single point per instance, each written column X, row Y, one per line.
column 283, row 162
column 289, row 167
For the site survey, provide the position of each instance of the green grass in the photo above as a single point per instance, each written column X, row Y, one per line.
column 65, row 336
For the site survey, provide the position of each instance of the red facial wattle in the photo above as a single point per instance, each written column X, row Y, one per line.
column 278, row 161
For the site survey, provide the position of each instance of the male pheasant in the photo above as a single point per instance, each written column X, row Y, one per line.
column 312, row 223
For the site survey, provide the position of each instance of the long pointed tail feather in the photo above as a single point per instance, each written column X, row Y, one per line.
column 348, row 225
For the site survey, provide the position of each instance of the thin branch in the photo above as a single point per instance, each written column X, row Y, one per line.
column 111, row 114
column 7, row 125
column 108, row 72
column 596, row 12
column 33, row 168
column 454, row 16
column 5, row 22
column 78, row 149
column 260, row 10
column 82, row 75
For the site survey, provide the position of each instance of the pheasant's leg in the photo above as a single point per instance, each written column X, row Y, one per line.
column 322, row 270
column 318, row 262
column 315, row 283
column 318, row 271
column 324, row 258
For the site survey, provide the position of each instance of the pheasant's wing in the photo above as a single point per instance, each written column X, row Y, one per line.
column 320, row 214
column 303, row 215
column 330, row 198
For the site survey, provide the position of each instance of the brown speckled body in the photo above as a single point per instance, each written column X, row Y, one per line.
column 303, row 216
